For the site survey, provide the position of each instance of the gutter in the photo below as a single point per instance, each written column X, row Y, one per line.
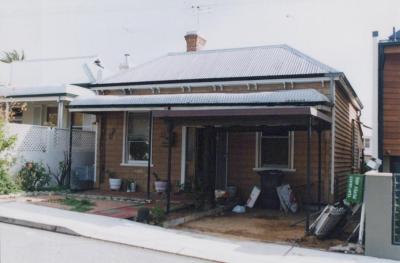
column 311, row 103
column 42, row 95
column 289, row 79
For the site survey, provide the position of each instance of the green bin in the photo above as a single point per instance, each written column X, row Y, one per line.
column 355, row 188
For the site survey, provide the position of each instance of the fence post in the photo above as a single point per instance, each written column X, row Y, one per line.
column 70, row 151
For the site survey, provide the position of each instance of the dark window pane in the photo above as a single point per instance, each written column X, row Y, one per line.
column 138, row 151
column 16, row 115
column 51, row 118
column 275, row 151
column 137, row 136
column 138, row 126
column 77, row 120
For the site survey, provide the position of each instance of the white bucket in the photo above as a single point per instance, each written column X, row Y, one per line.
column 133, row 187
column 161, row 186
column 115, row 184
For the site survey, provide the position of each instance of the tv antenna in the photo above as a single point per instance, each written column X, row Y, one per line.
column 198, row 10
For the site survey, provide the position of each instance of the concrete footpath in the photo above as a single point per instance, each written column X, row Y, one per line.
column 163, row 240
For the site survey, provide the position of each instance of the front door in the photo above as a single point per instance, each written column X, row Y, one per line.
column 221, row 156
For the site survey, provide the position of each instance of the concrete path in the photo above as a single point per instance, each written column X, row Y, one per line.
column 166, row 240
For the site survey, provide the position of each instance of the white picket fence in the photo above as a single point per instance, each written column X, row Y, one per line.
column 50, row 145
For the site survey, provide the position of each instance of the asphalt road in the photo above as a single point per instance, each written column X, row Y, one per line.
column 21, row 244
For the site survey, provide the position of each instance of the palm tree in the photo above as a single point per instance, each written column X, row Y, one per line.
column 10, row 56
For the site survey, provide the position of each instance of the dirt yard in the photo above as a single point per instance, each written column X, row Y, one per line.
column 259, row 225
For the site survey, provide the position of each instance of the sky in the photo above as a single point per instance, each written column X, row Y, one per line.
column 335, row 32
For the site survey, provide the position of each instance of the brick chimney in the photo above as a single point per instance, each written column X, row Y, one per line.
column 194, row 42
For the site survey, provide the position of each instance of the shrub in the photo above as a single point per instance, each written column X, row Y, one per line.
column 7, row 185
column 77, row 205
column 61, row 175
column 157, row 215
column 33, row 177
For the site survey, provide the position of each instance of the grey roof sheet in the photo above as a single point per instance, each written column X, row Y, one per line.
column 284, row 97
column 44, row 91
column 276, row 60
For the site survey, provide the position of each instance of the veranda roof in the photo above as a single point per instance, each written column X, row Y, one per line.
column 304, row 97
column 43, row 92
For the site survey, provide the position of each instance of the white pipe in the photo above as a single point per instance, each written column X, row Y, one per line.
column 374, row 141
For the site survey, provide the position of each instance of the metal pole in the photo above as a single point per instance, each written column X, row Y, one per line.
column 319, row 168
column 149, row 152
column 170, row 128
column 308, row 191
column 70, row 150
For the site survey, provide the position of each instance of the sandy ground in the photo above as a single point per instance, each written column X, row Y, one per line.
column 259, row 225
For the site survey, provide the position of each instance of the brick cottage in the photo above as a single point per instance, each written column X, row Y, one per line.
column 223, row 116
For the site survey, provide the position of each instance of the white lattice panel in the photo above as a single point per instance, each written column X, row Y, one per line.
column 29, row 137
column 83, row 141
column 60, row 139
column 49, row 145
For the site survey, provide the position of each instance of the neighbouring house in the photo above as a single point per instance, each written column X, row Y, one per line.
column 388, row 103
column 222, row 117
column 37, row 91
column 45, row 105
column 34, row 98
column 367, row 148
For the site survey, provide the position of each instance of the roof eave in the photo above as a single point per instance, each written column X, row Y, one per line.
column 351, row 92
column 124, row 106
column 203, row 80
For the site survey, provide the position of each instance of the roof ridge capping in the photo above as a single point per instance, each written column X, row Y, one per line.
column 224, row 49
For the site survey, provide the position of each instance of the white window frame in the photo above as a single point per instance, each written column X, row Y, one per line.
column 290, row 165
column 126, row 162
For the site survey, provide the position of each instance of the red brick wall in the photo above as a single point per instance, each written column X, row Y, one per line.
column 112, row 140
column 242, row 154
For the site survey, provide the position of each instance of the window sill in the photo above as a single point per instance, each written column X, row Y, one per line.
column 136, row 164
column 287, row 170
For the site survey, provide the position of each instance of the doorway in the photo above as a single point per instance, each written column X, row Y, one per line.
column 221, row 163
column 206, row 157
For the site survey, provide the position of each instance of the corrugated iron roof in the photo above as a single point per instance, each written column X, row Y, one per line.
column 285, row 97
column 264, row 61
column 49, row 71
